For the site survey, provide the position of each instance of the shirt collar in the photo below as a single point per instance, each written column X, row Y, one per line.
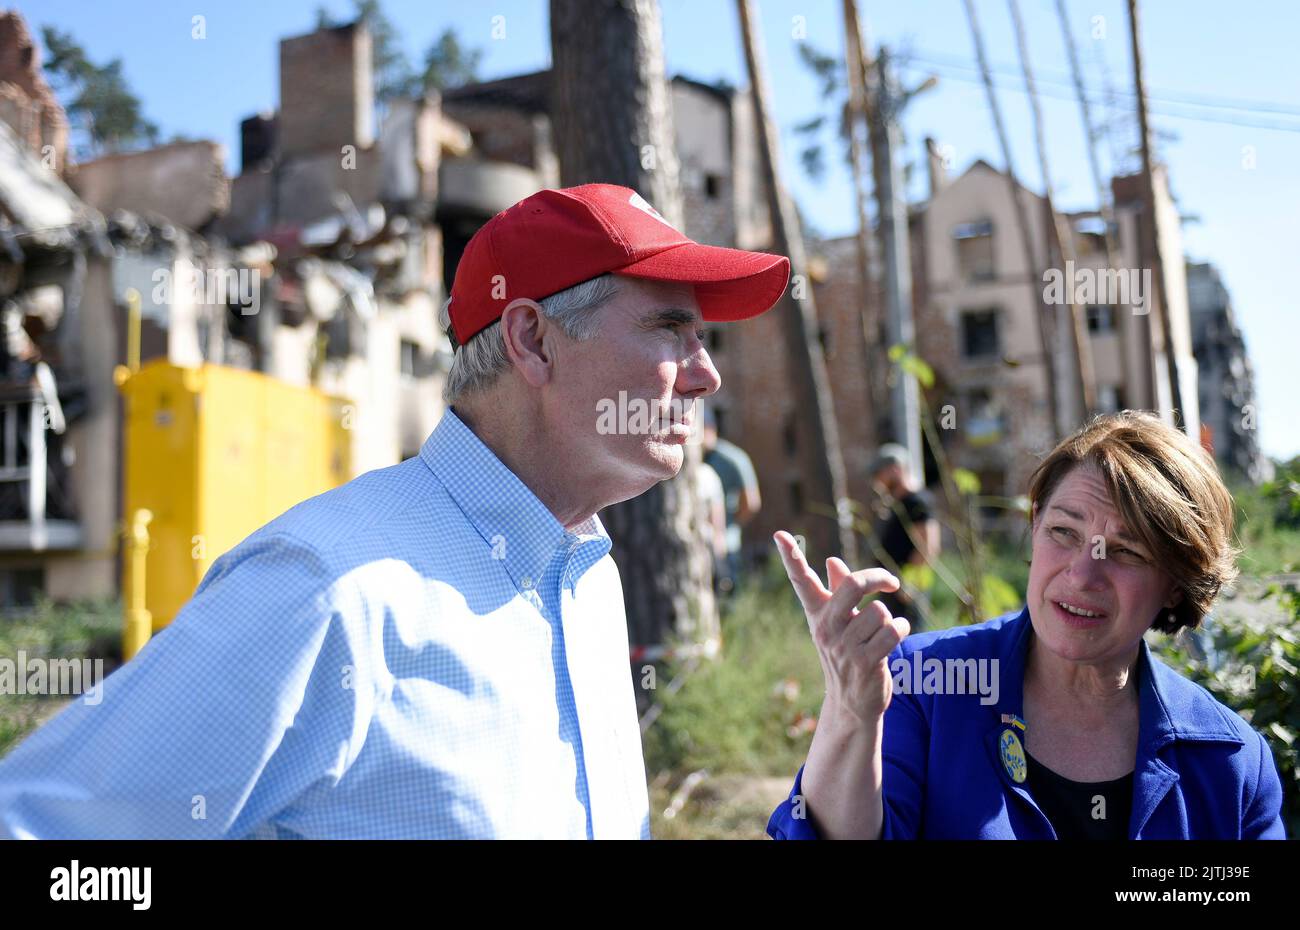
column 1170, row 706
column 517, row 527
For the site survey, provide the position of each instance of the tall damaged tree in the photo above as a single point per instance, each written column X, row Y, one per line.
column 613, row 124
column 810, row 381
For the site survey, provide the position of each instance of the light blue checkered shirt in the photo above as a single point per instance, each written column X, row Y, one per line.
column 423, row 652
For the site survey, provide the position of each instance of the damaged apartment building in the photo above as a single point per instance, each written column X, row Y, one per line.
column 977, row 299
column 321, row 264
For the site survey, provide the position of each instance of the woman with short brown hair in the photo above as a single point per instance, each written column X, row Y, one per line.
column 1169, row 490
column 1056, row 722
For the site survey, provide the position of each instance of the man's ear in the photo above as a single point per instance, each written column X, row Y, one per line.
column 1174, row 599
column 523, row 331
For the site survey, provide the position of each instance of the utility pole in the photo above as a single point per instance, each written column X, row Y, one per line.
column 811, row 388
column 1022, row 220
column 1064, row 236
column 1105, row 199
column 1149, row 193
column 861, row 91
column 891, row 205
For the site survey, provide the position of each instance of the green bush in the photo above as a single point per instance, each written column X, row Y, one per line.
column 1253, row 666
column 1283, row 493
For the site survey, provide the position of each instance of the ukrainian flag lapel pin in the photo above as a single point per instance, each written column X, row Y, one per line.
column 1013, row 756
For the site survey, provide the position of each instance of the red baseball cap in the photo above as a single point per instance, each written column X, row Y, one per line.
column 558, row 238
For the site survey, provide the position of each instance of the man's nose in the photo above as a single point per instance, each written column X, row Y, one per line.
column 697, row 377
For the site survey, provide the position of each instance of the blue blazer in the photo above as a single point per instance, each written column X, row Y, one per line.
column 1202, row 772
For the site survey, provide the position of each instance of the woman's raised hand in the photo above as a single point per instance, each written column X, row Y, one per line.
column 853, row 644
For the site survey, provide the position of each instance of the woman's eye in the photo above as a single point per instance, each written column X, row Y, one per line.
column 1063, row 531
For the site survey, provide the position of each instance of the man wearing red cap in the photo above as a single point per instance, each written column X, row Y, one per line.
column 438, row 648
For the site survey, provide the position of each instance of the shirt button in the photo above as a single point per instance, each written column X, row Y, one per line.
column 527, row 583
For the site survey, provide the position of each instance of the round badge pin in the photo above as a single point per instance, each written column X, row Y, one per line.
column 1013, row 756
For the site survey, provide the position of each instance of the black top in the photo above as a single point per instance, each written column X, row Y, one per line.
column 893, row 537
column 1082, row 810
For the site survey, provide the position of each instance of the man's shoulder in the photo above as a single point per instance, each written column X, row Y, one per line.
column 919, row 503
column 735, row 458
column 368, row 528
column 368, row 506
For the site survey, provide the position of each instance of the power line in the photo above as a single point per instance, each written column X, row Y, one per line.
column 1165, row 96
column 946, row 71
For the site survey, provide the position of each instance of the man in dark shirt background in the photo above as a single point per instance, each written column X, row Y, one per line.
column 910, row 534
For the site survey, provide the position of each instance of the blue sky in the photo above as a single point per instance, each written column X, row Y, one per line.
column 1246, row 202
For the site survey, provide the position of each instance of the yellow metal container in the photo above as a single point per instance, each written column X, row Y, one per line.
column 212, row 453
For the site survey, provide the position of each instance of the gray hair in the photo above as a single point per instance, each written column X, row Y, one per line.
column 478, row 363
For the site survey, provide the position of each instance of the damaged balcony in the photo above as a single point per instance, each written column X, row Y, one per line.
column 36, row 509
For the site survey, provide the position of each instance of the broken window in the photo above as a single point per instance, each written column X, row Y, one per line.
column 414, row 362
column 796, row 496
column 993, row 485
column 984, row 420
column 1090, row 235
column 979, row 333
column 21, row 586
column 975, row 250
column 1101, row 318
column 407, row 360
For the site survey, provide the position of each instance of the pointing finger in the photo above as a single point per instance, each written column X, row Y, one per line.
column 809, row 588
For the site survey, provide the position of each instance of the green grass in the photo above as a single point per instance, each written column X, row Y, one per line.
column 89, row 629
column 736, row 712
column 751, row 709
column 1268, row 549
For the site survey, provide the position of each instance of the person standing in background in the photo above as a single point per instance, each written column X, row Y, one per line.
column 740, row 486
column 910, row 534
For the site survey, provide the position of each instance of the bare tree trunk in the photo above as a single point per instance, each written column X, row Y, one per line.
column 811, row 382
column 1063, row 236
column 1022, row 221
column 613, row 124
column 1157, row 258
column 855, row 64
